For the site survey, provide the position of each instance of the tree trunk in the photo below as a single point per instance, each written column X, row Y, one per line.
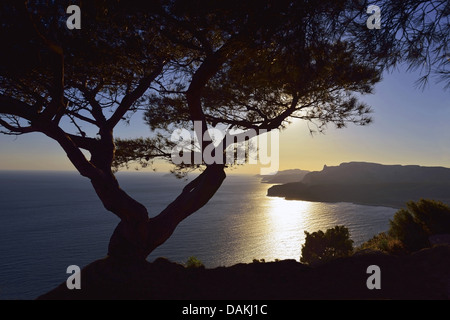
column 137, row 236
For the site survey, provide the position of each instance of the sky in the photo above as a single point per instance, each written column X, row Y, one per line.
column 411, row 127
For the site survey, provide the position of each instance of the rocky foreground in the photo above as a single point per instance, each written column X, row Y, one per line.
column 422, row 275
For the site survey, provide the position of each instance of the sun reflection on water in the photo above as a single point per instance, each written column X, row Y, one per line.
column 286, row 222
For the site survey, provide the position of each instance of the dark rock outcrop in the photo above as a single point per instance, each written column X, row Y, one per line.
column 422, row 275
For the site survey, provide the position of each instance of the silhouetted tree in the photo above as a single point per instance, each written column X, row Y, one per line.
column 414, row 224
column 240, row 64
column 325, row 246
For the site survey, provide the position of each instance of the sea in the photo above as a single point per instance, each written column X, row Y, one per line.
column 52, row 220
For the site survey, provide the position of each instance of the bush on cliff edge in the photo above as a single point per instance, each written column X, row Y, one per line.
column 325, row 246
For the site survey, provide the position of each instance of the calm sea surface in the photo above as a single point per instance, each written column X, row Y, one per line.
column 50, row 220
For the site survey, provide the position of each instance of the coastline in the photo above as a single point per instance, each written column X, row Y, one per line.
column 370, row 204
column 393, row 195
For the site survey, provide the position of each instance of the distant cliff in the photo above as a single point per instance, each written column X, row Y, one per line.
column 369, row 183
column 285, row 176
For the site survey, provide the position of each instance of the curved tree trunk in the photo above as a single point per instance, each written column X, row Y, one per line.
column 136, row 237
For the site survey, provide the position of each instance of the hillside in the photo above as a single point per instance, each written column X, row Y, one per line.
column 285, row 176
column 421, row 275
column 374, row 173
column 369, row 183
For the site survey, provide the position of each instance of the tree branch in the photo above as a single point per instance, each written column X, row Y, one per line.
column 193, row 197
column 96, row 109
column 204, row 73
column 74, row 154
column 86, row 143
column 57, row 91
column 15, row 130
column 16, row 107
column 131, row 97
column 81, row 117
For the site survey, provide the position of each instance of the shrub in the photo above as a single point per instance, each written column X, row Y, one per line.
column 384, row 242
column 408, row 230
column 413, row 225
column 434, row 216
column 323, row 247
column 193, row 262
column 259, row 261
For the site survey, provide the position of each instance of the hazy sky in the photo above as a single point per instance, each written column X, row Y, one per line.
column 411, row 126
